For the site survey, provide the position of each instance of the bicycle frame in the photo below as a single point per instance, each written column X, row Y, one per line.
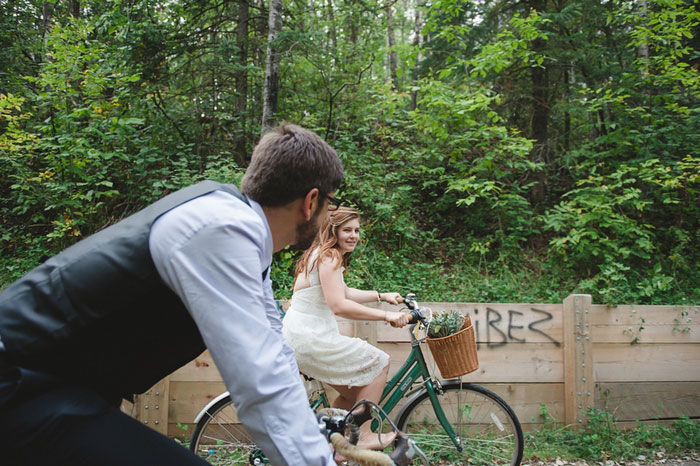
column 412, row 369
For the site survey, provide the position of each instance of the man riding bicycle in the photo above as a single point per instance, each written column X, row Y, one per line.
column 121, row 309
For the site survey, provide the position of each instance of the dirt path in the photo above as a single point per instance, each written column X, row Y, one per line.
column 692, row 459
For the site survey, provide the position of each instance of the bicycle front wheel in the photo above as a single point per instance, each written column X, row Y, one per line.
column 488, row 431
column 220, row 437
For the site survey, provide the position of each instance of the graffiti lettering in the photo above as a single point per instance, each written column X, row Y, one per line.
column 492, row 318
column 547, row 316
column 511, row 326
column 515, row 329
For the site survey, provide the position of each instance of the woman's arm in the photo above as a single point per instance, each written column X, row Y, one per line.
column 370, row 296
column 336, row 294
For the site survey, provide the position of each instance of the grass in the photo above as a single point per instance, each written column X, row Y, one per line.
column 600, row 441
column 603, row 440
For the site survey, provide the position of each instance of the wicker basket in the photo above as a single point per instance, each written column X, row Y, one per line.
column 455, row 354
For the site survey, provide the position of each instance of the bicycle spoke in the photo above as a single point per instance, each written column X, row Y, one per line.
column 489, row 433
column 220, row 438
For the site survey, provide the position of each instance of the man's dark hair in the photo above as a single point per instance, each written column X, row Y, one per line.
column 287, row 163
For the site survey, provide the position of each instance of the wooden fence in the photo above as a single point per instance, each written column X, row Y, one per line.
column 641, row 363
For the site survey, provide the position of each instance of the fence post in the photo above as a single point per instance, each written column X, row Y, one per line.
column 151, row 407
column 578, row 358
column 367, row 331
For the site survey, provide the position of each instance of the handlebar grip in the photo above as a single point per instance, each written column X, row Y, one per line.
column 401, row 449
column 412, row 317
column 415, row 315
column 360, row 455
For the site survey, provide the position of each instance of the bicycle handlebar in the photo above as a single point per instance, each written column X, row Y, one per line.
column 333, row 423
column 416, row 313
column 357, row 454
column 404, row 451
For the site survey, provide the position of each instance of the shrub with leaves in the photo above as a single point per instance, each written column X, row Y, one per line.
column 445, row 324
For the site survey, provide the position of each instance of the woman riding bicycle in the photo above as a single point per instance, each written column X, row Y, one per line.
column 353, row 367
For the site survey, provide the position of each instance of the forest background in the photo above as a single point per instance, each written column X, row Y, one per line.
column 500, row 151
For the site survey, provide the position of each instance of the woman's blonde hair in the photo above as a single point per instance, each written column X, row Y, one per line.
column 326, row 241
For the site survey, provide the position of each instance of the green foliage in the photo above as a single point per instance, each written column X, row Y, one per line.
column 522, row 155
column 282, row 272
column 603, row 440
column 445, row 324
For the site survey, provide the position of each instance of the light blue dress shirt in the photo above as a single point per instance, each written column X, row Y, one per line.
column 212, row 251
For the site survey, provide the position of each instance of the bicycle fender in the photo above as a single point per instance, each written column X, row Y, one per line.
column 408, row 403
column 418, row 392
column 209, row 405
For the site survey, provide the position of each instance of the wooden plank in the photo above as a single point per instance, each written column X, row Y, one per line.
column 646, row 362
column 188, row 398
column 200, row 369
column 536, row 362
column 495, row 324
column 528, row 400
column 647, row 324
column 649, row 400
column 366, row 331
column 578, row 358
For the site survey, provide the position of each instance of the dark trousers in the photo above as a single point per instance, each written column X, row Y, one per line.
column 44, row 422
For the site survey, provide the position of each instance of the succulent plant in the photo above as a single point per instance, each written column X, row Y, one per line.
column 445, row 324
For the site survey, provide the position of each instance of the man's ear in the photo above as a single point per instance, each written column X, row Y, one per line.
column 310, row 203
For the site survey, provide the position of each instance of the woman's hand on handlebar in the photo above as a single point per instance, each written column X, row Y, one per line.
column 391, row 298
column 397, row 319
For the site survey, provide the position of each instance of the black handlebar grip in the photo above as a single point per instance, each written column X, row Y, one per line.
column 401, row 446
column 415, row 315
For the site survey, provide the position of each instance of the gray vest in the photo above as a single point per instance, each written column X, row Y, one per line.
column 98, row 315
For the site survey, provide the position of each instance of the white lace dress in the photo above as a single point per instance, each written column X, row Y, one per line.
column 321, row 351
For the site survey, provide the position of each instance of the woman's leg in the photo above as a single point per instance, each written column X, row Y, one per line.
column 348, row 396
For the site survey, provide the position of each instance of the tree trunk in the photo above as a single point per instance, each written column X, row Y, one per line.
column 569, row 80
column 351, row 21
column 643, row 47
column 45, row 22
column 419, row 56
column 391, row 58
column 272, row 67
column 331, row 28
column 74, row 8
column 540, row 120
column 260, row 32
column 240, row 102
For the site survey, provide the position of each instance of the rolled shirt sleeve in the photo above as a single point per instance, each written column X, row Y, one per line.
column 212, row 252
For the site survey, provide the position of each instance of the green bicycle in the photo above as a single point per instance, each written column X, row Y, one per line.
column 451, row 421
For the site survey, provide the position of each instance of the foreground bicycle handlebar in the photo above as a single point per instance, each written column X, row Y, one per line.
column 334, row 423
column 404, row 451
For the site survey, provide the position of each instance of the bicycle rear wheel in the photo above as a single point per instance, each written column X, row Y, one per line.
column 220, row 437
column 489, row 431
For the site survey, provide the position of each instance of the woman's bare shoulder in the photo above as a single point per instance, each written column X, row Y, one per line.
column 330, row 258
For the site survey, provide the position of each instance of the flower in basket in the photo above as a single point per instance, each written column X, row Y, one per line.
column 445, row 324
